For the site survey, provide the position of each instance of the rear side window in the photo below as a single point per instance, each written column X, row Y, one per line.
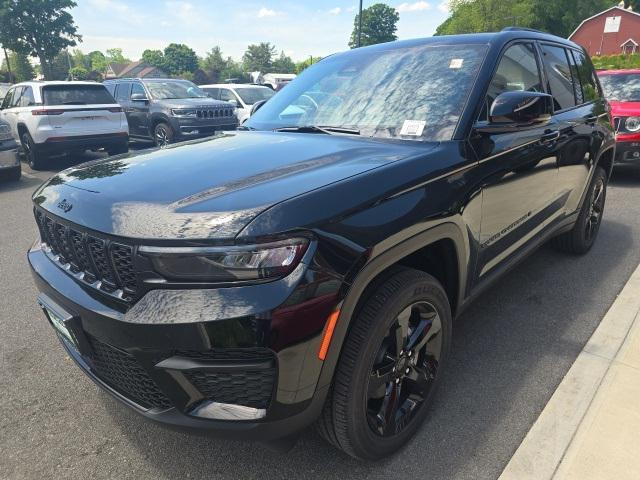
column 137, row 88
column 111, row 88
column 27, row 100
column 123, row 92
column 560, row 81
column 76, row 95
column 213, row 92
column 587, row 77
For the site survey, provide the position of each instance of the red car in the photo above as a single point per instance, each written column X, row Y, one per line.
column 622, row 89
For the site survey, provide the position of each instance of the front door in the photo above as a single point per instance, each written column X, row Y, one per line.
column 139, row 112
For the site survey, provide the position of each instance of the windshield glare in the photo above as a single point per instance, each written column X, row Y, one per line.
column 412, row 93
column 621, row 87
column 255, row 94
column 170, row 89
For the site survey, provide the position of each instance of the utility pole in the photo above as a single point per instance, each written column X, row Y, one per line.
column 6, row 57
column 360, row 25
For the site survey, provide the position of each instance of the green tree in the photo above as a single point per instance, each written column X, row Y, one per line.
column 259, row 57
column 634, row 4
column 21, row 68
column 379, row 25
column 78, row 73
column 39, row 28
column 153, row 57
column 233, row 70
column 300, row 66
column 98, row 61
column 179, row 58
column 284, row 64
column 213, row 64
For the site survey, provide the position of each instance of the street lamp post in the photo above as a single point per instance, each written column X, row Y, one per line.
column 360, row 25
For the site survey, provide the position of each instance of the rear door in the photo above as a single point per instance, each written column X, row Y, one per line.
column 520, row 195
column 81, row 109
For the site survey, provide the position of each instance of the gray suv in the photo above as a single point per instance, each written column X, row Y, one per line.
column 168, row 110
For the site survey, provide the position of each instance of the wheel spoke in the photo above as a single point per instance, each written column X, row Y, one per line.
column 427, row 328
column 380, row 378
column 402, row 329
column 387, row 415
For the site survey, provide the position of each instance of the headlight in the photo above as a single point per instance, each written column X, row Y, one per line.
column 632, row 124
column 184, row 112
column 227, row 264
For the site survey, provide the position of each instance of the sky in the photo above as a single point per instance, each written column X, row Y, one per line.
column 299, row 28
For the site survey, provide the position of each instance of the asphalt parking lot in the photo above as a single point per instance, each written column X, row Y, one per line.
column 510, row 351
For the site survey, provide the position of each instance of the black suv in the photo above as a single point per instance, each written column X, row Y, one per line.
column 308, row 267
column 167, row 110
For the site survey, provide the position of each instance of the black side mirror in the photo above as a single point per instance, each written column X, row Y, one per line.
column 257, row 106
column 138, row 97
column 518, row 109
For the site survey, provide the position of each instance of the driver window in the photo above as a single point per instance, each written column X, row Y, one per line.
column 517, row 71
column 7, row 98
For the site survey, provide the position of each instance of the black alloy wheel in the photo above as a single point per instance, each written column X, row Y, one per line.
column 405, row 367
column 162, row 135
column 596, row 207
column 31, row 154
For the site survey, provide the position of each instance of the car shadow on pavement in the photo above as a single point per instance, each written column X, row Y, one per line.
column 511, row 349
column 626, row 175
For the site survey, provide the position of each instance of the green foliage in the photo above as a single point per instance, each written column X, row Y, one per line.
column 114, row 55
column 78, row 73
column 300, row 66
column 634, row 4
column 259, row 57
column 21, row 68
column 39, row 28
column 179, row 58
column 98, row 61
column 283, row 64
column 213, row 64
column 379, row 25
column 153, row 57
column 559, row 17
column 616, row 62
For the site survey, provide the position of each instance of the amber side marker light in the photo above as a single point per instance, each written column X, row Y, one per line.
column 328, row 333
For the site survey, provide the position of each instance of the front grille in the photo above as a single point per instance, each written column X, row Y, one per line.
column 215, row 113
column 124, row 374
column 255, row 354
column 250, row 388
column 98, row 262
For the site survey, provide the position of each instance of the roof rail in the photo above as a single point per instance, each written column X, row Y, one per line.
column 522, row 29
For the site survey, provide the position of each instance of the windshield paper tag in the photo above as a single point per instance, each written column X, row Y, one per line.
column 456, row 63
column 413, row 128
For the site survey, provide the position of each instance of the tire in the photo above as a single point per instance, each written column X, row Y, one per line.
column 383, row 373
column 163, row 134
column 15, row 174
column 581, row 238
column 119, row 149
column 33, row 157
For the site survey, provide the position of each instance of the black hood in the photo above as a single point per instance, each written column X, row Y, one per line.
column 208, row 189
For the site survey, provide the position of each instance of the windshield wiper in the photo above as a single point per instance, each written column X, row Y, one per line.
column 329, row 130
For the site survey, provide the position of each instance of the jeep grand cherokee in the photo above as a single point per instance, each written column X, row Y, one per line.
column 309, row 267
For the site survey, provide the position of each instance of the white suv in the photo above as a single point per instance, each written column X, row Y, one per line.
column 243, row 96
column 62, row 117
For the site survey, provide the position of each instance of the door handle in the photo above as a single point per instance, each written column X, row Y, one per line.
column 549, row 137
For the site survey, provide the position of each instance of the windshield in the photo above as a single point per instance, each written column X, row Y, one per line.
column 169, row 89
column 252, row 95
column 3, row 90
column 621, row 87
column 413, row 93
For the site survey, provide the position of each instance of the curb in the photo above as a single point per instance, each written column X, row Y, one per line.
column 543, row 449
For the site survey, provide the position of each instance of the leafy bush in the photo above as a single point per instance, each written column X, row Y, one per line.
column 616, row 62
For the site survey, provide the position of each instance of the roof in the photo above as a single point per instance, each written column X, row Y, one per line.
column 627, row 42
column 601, row 13
column 619, row 72
column 233, row 85
column 38, row 83
column 118, row 67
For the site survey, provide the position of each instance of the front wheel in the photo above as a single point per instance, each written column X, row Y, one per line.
column 163, row 134
column 581, row 238
column 389, row 367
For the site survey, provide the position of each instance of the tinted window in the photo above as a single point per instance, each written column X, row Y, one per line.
column 15, row 101
column 3, row 90
column 213, row 92
column 122, row 92
column 623, row 87
column 577, row 86
column 27, row 100
column 517, row 71
column 111, row 87
column 559, row 77
column 587, row 76
column 76, row 95
column 251, row 95
column 7, row 99
column 415, row 92
column 137, row 88
column 168, row 89
column 227, row 95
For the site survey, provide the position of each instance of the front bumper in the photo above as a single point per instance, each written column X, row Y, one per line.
column 163, row 360
column 627, row 148
column 9, row 155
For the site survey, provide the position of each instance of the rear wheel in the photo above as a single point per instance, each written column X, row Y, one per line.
column 15, row 174
column 389, row 367
column 33, row 157
column 163, row 134
column 581, row 238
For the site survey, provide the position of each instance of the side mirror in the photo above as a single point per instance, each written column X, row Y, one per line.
column 139, row 97
column 233, row 102
column 257, row 106
column 518, row 109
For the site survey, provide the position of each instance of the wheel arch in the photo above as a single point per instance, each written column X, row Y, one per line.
column 419, row 252
column 606, row 159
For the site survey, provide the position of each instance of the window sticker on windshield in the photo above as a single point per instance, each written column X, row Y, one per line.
column 456, row 63
column 413, row 128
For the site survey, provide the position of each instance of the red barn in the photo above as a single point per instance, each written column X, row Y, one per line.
column 611, row 32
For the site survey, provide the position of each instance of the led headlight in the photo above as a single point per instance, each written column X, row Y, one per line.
column 227, row 264
column 632, row 124
column 184, row 112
